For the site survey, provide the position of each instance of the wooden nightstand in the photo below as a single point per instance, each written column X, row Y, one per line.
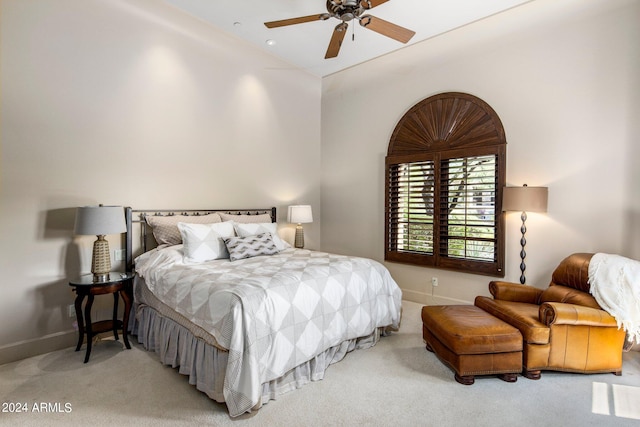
column 85, row 286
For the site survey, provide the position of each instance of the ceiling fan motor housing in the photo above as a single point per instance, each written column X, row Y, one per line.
column 345, row 10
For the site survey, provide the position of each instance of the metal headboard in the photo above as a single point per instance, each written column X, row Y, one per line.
column 138, row 216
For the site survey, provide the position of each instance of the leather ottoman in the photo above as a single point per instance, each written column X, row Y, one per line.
column 472, row 342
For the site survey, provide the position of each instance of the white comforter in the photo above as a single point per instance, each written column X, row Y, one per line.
column 274, row 312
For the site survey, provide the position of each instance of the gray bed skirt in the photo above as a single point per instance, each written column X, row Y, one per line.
column 205, row 364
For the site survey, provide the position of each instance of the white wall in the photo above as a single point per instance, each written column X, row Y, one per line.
column 132, row 103
column 564, row 79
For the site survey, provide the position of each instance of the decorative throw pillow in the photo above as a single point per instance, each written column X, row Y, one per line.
column 247, row 247
column 203, row 242
column 245, row 219
column 244, row 230
column 165, row 228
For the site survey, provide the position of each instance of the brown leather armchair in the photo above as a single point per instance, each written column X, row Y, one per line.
column 563, row 327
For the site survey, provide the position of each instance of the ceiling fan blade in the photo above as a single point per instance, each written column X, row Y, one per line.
column 336, row 40
column 370, row 4
column 299, row 20
column 386, row 28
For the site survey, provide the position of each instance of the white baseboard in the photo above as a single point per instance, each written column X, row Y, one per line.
column 428, row 299
column 23, row 349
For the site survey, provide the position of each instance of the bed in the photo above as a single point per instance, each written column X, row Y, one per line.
column 243, row 314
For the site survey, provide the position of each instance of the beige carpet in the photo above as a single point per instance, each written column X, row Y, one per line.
column 395, row 383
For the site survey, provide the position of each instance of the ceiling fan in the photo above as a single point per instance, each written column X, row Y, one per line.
column 345, row 11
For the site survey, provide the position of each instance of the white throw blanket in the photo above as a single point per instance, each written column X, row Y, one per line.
column 615, row 284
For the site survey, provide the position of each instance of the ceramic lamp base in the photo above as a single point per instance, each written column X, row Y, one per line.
column 101, row 260
column 299, row 241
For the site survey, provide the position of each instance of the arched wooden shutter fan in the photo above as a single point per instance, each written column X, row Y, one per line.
column 446, row 121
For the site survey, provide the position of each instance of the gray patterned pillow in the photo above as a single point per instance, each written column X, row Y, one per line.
column 250, row 246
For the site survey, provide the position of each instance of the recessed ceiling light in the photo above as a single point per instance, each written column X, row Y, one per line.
column 237, row 24
column 270, row 42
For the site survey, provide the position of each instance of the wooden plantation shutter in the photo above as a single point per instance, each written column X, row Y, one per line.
column 445, row 170
column 412, row 206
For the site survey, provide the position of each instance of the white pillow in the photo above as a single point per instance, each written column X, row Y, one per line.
column 203, row 242
column 245, row 230
column 165, row 228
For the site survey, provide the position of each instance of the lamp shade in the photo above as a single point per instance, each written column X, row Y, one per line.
column 525, row 199
column 100, row 220
column 300, row 214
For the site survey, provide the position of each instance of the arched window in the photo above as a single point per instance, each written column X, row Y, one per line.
column 445, row 170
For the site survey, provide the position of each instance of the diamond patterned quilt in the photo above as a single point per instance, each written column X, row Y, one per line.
column 275, row 312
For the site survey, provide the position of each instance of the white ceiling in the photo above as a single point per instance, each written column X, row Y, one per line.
column 304, row 45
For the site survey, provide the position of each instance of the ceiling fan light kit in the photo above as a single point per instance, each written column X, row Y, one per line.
column 345, row 11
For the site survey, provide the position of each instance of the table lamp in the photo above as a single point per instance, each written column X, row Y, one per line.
column 524, row 199
column 299, row 214
column 100, row 221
